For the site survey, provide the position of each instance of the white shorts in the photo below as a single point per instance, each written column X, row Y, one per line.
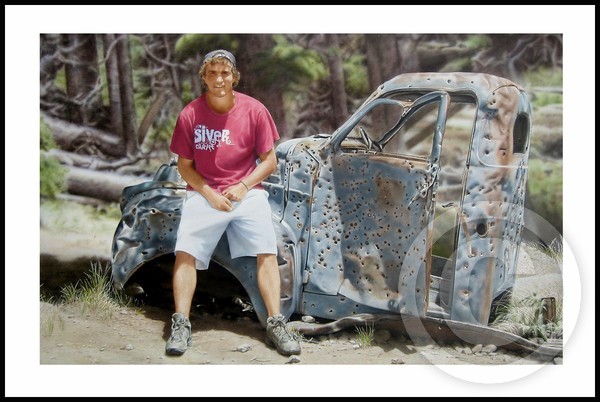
column 249, row 227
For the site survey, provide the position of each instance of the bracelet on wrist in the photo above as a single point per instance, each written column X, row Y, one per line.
column 247, row 189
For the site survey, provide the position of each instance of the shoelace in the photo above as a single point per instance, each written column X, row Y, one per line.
column 177, row 330
column 282, row 332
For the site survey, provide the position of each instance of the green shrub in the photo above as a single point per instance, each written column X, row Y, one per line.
column 544, row 190
column 478, row 42
column 52, row 173
column 356, row 76
column 547, row 98
column 46, row 140
column 545, row 76
column 52, row 177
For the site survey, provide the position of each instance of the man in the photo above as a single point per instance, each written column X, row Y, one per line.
column 225, row 143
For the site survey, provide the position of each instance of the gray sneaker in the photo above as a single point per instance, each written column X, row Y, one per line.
column 279, row 335
column 181, row 335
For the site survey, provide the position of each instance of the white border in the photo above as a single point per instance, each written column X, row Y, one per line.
column 26, row 377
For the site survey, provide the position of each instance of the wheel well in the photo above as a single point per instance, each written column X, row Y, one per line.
column 217, row 289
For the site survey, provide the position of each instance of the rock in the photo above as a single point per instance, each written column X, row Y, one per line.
column 489, row 348
column 294, row 359
column 243, row 348
column 308, row 318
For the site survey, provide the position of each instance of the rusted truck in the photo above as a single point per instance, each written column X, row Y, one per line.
column 414, row 206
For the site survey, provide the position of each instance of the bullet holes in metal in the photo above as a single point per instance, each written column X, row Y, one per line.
column 482, row 229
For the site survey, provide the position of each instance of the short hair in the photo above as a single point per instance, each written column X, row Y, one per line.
column 220, row 60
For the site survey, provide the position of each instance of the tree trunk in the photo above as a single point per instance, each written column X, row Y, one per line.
column 127, row 98
column 82, row 77
column 50, row 62
column 112, row 77
column 251, row 49
column 164, row 78
column 407, row 53
column 336, row 79
column 194, row 73
column 150, row 116
column 169, row 42
column 383, row 62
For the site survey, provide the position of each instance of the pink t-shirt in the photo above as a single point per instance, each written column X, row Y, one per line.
column 224, row 147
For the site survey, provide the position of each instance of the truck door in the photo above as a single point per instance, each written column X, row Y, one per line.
column 373, row 207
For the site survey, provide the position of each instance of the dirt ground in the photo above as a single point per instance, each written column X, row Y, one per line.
column 137, row 335
column 228, row 357
column 134, row 337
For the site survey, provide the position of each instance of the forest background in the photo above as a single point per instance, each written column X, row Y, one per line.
column 109, row 102
column 139, row 146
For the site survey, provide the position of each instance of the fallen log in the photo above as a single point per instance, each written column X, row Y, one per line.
column 70, row 137
column 97, row 184
column 88, row 161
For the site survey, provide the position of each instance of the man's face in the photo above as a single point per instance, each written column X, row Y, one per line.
column 218, row 78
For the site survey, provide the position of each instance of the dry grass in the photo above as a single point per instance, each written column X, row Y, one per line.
column 51, row 321
column 539, row 278
column 95, row 294
column 365, row 335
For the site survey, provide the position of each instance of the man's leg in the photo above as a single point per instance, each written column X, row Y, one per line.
column 184, row 282
column 269, row 286
column 184, row 286
column 269, row 283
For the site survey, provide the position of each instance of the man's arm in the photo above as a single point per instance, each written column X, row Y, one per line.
column 268, row 163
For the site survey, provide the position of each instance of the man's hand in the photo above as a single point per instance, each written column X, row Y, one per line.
column 220, row 202
column 235, row 192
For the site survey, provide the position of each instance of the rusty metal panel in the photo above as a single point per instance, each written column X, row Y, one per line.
column 480, row 85
column 493, row 207
column 365, row 232
column 334, row 306
column 148, row 229
column 300, row 168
